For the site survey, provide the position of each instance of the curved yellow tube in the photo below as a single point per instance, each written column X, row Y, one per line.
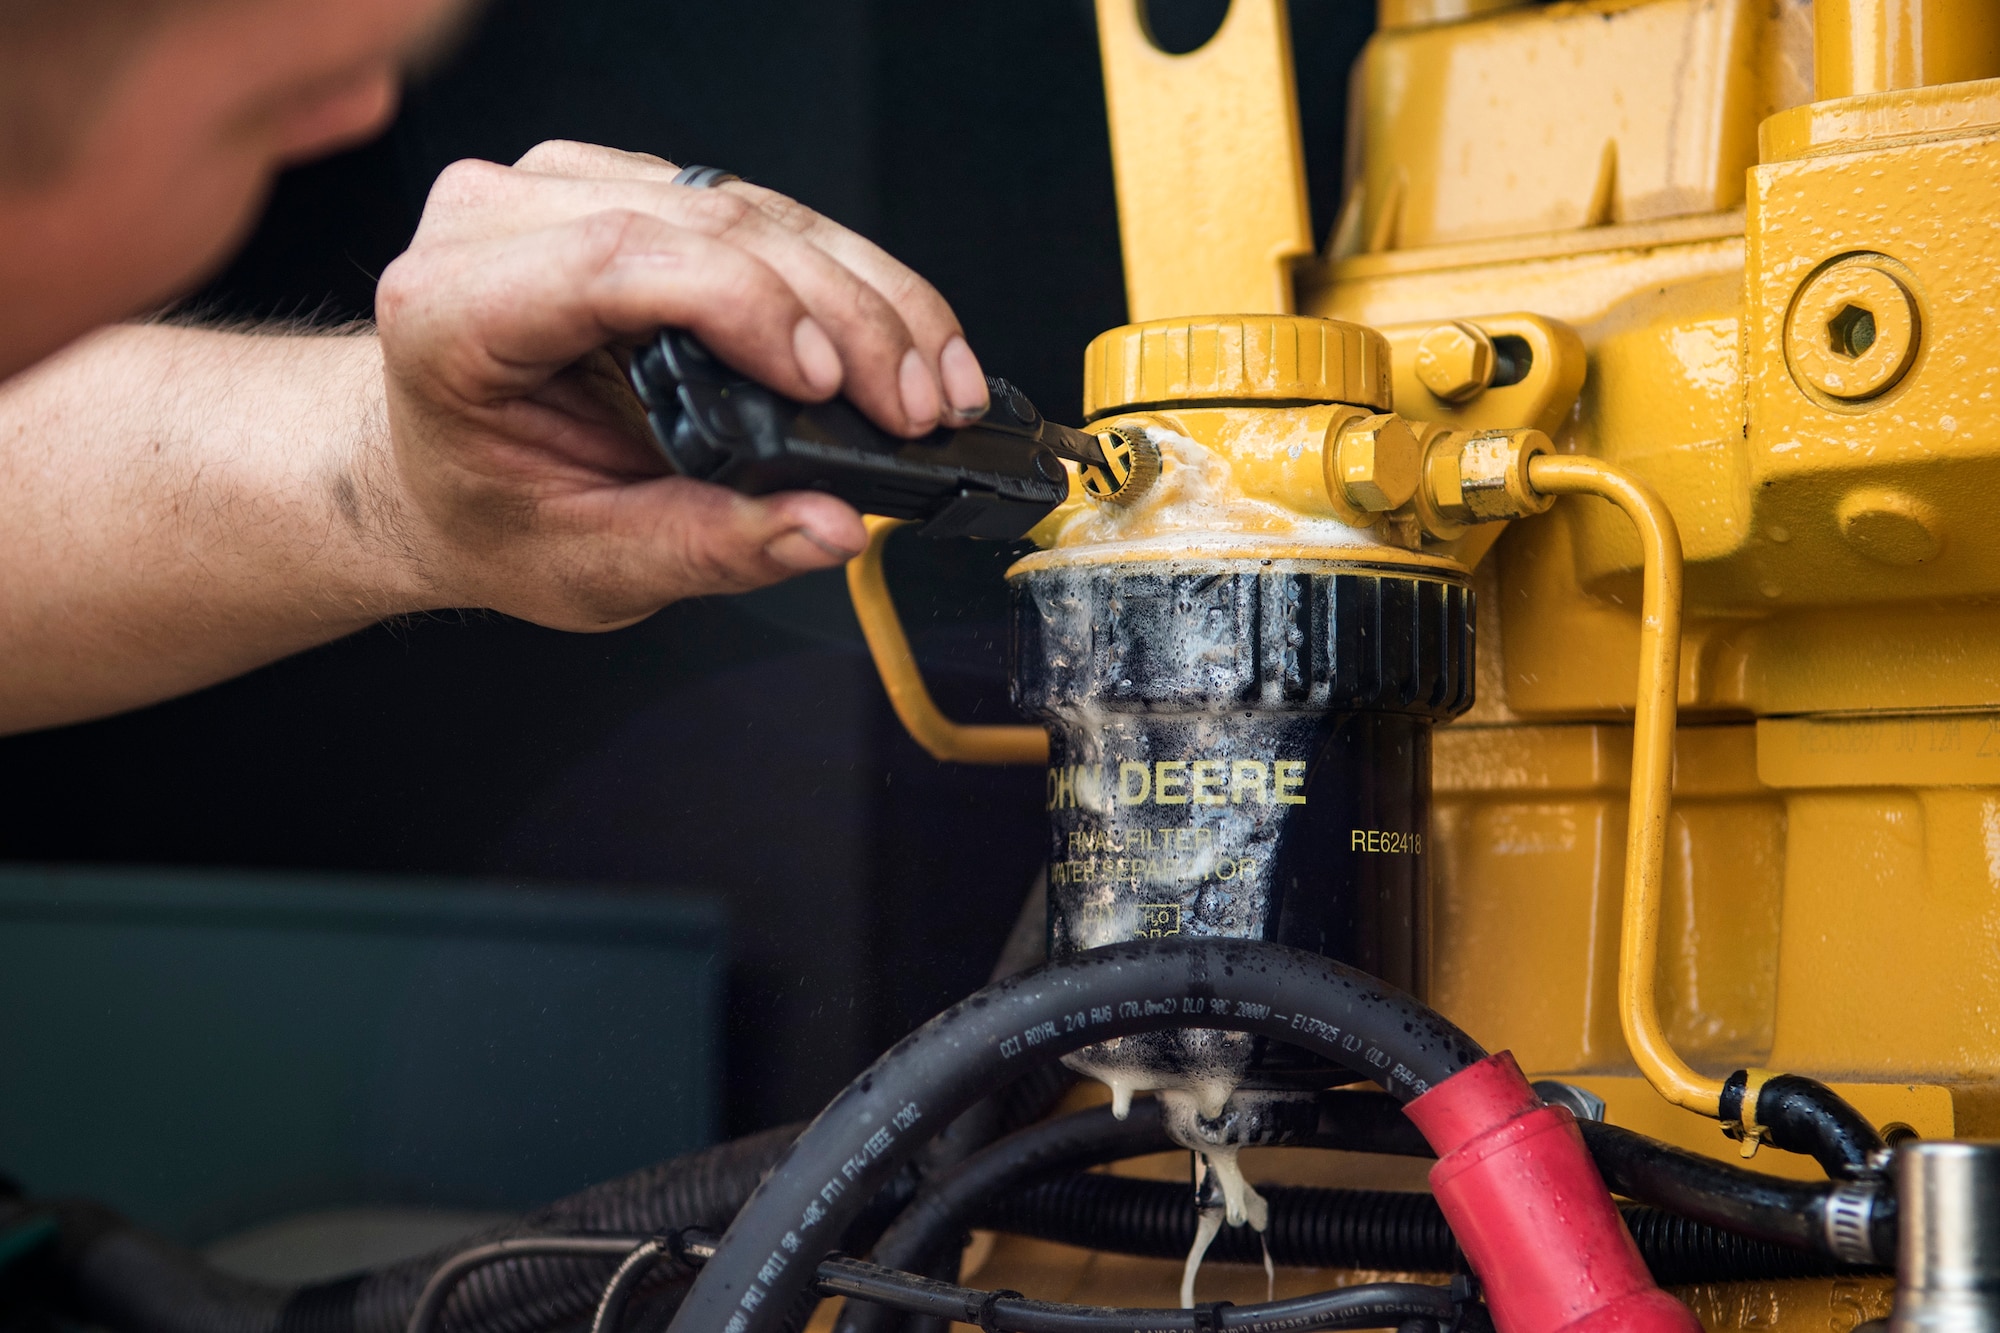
column 890, row 647
column 1652, row 767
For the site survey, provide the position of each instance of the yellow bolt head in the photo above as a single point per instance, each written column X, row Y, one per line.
column 1375, row 464
column 1455, row 361
column 1853, row 330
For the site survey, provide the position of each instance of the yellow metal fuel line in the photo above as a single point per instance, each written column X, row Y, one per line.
column 1653, row 723
column 951, row 742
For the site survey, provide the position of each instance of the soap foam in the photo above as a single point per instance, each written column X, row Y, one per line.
column 1198, row 502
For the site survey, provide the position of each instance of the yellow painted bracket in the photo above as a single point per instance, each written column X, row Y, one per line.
column 1210, row 170
column 1542, row 398
column 946, row 740
column 1653, row 722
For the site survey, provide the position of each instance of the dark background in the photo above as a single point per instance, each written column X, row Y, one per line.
column 736, row 744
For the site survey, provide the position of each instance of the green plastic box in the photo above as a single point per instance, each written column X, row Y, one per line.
column 207, row 1050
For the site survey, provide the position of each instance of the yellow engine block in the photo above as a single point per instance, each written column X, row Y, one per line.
column 1754, row 253
column 1786, row 314
column 1748, row 253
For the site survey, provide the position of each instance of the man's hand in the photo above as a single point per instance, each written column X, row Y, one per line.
column 178, row 505
column 533, row 487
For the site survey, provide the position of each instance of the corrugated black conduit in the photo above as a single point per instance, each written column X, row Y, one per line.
column 130, row 1281
column 1332, row 1228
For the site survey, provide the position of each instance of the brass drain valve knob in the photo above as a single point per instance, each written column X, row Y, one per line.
column 1483, row 477
column 1131, row 465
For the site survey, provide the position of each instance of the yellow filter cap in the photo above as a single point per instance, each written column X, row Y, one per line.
column 1227, row 359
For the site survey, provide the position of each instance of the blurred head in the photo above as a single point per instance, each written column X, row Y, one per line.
column 138, row 138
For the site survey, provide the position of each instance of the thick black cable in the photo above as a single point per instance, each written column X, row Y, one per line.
column 933, row 1226
column 1371, row 1306
column 927, row 1236
column 767, row 1257
column 1358, row 1120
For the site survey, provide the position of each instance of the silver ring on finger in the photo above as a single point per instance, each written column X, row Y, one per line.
column 703, row 178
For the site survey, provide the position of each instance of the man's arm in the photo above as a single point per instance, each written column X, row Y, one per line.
column 178, row 505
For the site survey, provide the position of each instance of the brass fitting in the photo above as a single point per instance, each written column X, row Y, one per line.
column 1373, row 464
column 1483, row 477
column 1455, row 361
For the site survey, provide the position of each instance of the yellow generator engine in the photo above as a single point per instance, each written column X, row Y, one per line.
column 1728, row 265
column 1519, row 689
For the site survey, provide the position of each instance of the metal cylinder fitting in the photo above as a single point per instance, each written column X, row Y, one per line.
column 1948, row 1262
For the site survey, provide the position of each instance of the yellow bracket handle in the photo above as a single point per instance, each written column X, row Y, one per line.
column 890, row 647
column 1652, row 768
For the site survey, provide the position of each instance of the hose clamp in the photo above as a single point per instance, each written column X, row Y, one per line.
column 1848, row 1223
column 985, row 1316
column 1746, row 1130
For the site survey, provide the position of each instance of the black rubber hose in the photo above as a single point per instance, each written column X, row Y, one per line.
column 768, row 1256
column 927, row 1237
column 1803, row 1115
column 1337, row 1228
column 1368, row 1306
column 1788, row 1212
column 931, row 1231
column 1371, row 1306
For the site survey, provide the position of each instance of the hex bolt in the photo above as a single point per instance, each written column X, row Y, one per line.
column 1853, row 329
column 1455, row 361
column 1374, row 464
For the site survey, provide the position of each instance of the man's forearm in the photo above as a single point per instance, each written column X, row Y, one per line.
column 178, row 506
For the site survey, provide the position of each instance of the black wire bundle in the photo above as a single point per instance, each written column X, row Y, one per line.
column 947, row 1172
